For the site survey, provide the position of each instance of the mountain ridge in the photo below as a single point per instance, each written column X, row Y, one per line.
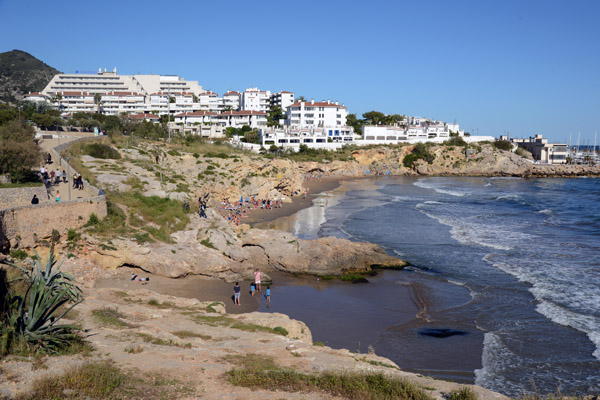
column 21, row 73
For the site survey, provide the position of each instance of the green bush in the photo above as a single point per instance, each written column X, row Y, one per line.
column 420, row 152
column 464, row 393
column 19, row 254
column 93, row 220
column 503, row 145
column 101, row 150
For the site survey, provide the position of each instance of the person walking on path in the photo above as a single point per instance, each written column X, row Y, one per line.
column 64, row 176
column 58, row 196
column 257, row 279
column 236, row 294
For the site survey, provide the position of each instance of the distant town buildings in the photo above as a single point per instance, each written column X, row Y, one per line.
column 194, row 110
column 542, row 151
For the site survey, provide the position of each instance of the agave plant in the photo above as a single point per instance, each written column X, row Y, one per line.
column 34, row 316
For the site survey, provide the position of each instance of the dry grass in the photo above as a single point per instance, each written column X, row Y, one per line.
column 257, row 371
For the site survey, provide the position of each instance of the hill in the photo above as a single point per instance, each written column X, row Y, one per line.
column 20, row 73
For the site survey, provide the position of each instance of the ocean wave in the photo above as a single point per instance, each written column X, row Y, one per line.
column 427, row 185
column 583, row 323
column 495, row 359
column 558, row 300
column 472, row 233
column 545, row 211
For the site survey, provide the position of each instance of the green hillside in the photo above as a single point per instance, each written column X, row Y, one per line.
column 21, row 73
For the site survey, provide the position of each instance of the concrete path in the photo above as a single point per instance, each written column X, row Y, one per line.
column 48, row 146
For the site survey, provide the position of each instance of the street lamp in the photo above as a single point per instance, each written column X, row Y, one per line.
column 69, row 175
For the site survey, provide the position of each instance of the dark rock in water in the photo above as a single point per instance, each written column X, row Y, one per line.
column 441, row 332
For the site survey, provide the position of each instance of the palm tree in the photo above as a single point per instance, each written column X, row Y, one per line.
column 98, row 102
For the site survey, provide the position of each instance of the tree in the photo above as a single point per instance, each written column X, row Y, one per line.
column 374, row 118
column 301, row 98
column 98, row 102
column 251, row 136
column 275, row 114
column 18, row 151
column 393, row 119
column 355, row 123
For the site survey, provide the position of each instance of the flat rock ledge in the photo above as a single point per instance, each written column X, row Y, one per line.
column 211, row 248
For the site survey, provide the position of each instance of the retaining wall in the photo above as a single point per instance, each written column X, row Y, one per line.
column 21, row 196
column 24, row 226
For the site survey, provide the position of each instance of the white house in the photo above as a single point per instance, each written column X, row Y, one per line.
column 196, row 117
column 114, row 103
column 210, row 101
column 231, row 101
column 237, row 119
column 253, row 99
column 312, row 114
column 292, row 137
column 36, row 97
column 282, row 99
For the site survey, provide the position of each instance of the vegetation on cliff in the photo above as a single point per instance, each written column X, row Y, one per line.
column 21, row 73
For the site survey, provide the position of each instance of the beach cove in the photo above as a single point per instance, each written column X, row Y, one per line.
column 475, row 262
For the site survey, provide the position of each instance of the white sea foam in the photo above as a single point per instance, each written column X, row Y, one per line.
column 469, row 232
column 545, row 211
column 402, row 198
column 495, row 359
column 559, row 296
column 428, row 184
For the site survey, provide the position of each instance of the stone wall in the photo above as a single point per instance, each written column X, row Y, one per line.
column 21, row 196
column 24, row 226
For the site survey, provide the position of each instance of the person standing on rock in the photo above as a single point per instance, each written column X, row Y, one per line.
column 236, row 294
column 257, row 279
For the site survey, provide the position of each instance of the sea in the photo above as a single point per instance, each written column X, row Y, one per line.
column 504, row 285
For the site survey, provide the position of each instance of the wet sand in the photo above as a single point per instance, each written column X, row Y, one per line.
column 314, row 186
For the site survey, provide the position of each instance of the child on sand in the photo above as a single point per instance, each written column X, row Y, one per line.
column 236, row 294
column 252, row 290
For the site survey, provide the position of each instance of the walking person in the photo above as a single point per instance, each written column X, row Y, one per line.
column 64, row 176
column 57, row 196
column 257, row 279
column 236, row 294
column 57, row 175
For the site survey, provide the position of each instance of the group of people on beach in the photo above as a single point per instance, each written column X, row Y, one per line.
column 254, row 287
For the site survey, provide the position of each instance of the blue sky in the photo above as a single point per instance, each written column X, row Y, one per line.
column 522, row 67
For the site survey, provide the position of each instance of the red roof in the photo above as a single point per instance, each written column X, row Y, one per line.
column 172, row 94
column 75, row 93
column 243, row 112
column 122, row 94
column 231, row 92
column 286, row 92
column 144, row 116
column 196, row 114
column 316, row 104
column 208, row 93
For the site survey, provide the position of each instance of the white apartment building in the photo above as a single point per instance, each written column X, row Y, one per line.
column 282, row 99
column 312, row 136
column 37, row 97
column 253, row 99
column 237, row 119
column 115, row 103
column 421, row 131
column 231, row 101
column 305, row 114
column 108, row 83
column 196, row 117
column 210, row 101
column 74, row 101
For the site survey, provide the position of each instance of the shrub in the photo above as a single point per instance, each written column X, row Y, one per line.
column 93, row 220
column 503, row 145
column 19, row 254
column 420, row 152
column 464, row 393
column 101, row 150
